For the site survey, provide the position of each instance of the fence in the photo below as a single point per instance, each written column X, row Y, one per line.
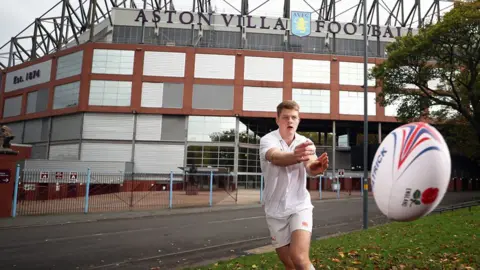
column 44, row 192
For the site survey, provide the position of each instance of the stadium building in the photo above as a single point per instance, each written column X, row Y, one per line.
column 147, row 87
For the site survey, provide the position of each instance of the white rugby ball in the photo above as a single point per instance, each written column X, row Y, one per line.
column 410, row 172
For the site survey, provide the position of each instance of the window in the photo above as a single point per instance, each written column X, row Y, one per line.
column 211, row 129
column 66, row 95
column 113, row 62
column 12, row 106
column 214, row 156
column 352, row 103
column 312, row 100
column 69, row 65
column 352, row 74
column 110, row 93
column 37, row 101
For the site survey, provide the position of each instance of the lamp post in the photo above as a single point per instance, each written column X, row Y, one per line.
column 365, row 117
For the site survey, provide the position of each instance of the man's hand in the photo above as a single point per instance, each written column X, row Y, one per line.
column 304, row 150
column 318, row 166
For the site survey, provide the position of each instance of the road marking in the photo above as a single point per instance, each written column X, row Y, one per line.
column 257, row 217
column 102, row 234
column 180, row 252
column 236, row 219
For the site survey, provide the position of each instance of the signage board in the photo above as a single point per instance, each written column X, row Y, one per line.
column 300, row 24
column 5, row 176
column 73, row 176
column 28, row 76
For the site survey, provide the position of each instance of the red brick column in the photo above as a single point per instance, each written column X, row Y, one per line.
column 8, row 165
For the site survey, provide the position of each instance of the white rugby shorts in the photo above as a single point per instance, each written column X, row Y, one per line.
column 281, row 229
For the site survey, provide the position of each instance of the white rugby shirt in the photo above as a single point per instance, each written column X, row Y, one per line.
column 285, row 187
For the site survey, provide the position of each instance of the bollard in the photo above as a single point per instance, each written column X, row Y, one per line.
column 170, row 193
column 261, row 188
column 87, row 191
column 320, row 187
column 338, row 188
column 211, row 188
column 15, row 192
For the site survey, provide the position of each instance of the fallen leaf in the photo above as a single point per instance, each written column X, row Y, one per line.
column 254, row 266
column 335, row 260
column 341, row 254
column 356, row 262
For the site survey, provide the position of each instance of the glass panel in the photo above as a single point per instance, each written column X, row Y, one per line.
column 12, row 106
column 204, row 156
column 66, row 95
column 69, row 65
column 113, row 61
column 211, row 129
column 110, row 93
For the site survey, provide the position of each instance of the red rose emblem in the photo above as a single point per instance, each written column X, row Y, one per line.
column 429, row 195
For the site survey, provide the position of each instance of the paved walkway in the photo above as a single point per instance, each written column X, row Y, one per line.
column 246, row 199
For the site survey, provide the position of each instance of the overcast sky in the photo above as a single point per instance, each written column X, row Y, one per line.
column 18, row 14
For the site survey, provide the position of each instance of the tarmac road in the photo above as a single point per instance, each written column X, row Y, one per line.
column 168, row 241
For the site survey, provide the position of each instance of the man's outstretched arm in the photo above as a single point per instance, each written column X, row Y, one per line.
column 280, row 158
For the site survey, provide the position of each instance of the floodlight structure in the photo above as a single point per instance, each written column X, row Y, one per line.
column 70, row 23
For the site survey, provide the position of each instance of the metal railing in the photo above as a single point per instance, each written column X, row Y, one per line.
column 454, row 207
column 45, row 192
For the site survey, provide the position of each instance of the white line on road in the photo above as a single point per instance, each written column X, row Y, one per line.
column 235, row 219
column 102, row 234
column 257, row 217
column 181, row 252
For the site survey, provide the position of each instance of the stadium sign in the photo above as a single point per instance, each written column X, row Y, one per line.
column 28, row 76
column 299, row 25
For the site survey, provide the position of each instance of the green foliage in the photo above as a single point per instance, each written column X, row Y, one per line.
column 448, row 51
column 440, row 241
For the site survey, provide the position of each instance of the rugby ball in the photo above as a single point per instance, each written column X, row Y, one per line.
column 410, row 172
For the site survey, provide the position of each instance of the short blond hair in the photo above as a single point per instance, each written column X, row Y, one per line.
column 288, row 105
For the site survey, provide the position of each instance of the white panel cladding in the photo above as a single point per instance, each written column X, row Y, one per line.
column 311, row 71
column 352, row 73
column 167, row 64
column 352, row 103
column 108, row 126
column 103, row 151
column 158, row 158
column 149, row 127
column 214, row 66
column 312, row 100
column 152, row 95
column 263, row 99
column 263, row 68
column 107, row 61
column 64, row 152
column 28, row 76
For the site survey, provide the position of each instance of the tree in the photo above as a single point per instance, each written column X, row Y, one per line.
column 229, row 136
column 447, row 52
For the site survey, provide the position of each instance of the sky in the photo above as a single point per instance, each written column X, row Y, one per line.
column 15, row 15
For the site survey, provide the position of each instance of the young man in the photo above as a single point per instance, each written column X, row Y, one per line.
column 285, row 159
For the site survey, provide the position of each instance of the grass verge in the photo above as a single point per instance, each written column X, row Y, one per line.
column 440, row 241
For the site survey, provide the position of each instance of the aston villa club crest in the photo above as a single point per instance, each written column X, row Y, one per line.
column 300, row 23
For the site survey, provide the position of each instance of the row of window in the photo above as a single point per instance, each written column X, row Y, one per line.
column 170, row 95
column 172, row 64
